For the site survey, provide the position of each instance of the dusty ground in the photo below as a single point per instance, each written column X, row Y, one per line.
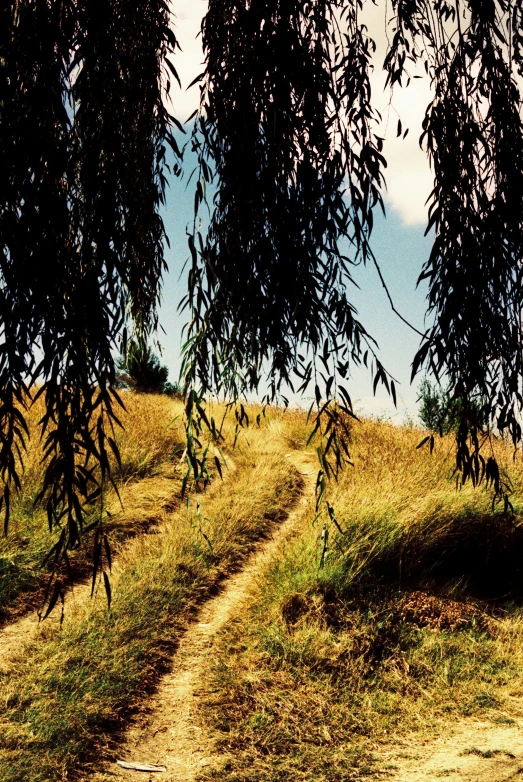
column 169, row 734
column 475, row 752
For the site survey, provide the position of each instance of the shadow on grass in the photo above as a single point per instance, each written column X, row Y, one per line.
column 447, row 574
column 479, row 557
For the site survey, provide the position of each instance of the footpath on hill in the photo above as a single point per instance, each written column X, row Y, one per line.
column 168, row 739
column 167, row 733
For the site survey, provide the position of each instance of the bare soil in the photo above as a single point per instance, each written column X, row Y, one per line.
column 169, row 732
column 477, row 751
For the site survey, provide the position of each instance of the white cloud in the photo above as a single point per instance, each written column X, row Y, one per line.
column 188, row 15
column 409, row 178
column 408, row 175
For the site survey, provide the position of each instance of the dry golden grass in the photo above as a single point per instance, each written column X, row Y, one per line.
column 150, row 435
column 323, row 667
column 70, row 690
column 327, row 662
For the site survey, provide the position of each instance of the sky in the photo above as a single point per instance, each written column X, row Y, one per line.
column 398, row 241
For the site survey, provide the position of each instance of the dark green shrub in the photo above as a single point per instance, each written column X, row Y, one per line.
column 442, row 413
column 141, row 371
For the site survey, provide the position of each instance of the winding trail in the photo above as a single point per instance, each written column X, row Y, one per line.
column 170, row 734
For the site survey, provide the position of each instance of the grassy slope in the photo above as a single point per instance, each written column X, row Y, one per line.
column 71, row 689
column 146, row 444
column 325, row 664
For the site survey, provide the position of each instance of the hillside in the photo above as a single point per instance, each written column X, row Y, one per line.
column 251, row 639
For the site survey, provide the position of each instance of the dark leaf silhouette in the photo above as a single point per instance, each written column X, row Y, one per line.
column 286, row 142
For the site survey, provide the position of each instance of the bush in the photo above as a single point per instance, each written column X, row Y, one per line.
column 141, row 371
column 441, row 412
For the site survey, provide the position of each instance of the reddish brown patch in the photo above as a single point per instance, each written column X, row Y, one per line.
column 441, row 613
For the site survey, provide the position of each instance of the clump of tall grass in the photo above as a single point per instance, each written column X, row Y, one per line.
column 150, row 435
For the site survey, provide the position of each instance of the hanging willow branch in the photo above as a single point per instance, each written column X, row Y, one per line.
column 82, row 155
column 474, row 137
column 285, row 136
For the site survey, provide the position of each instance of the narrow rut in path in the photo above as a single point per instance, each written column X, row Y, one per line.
column 157, row 498
column 15, row 636
column 170, row 734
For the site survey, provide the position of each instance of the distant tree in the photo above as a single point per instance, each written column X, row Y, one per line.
column 433, row 410
column 440, row 412
column 140, row 370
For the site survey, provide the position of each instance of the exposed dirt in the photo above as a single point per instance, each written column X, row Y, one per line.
column 475, row 752
column 425, row 610
column 15, row 636
column 169, row 734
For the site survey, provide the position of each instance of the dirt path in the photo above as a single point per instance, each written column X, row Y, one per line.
column 477, row 751
column 14, row 637
column 169, row 734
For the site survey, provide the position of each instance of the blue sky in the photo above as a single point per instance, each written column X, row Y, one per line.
column 398, row 241
column 400, row 251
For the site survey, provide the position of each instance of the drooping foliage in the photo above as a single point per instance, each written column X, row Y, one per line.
column 285, row 132
column 288, row 128
column 83, row 133
column 286, row 137
column 286, row 125
column 473, row 135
